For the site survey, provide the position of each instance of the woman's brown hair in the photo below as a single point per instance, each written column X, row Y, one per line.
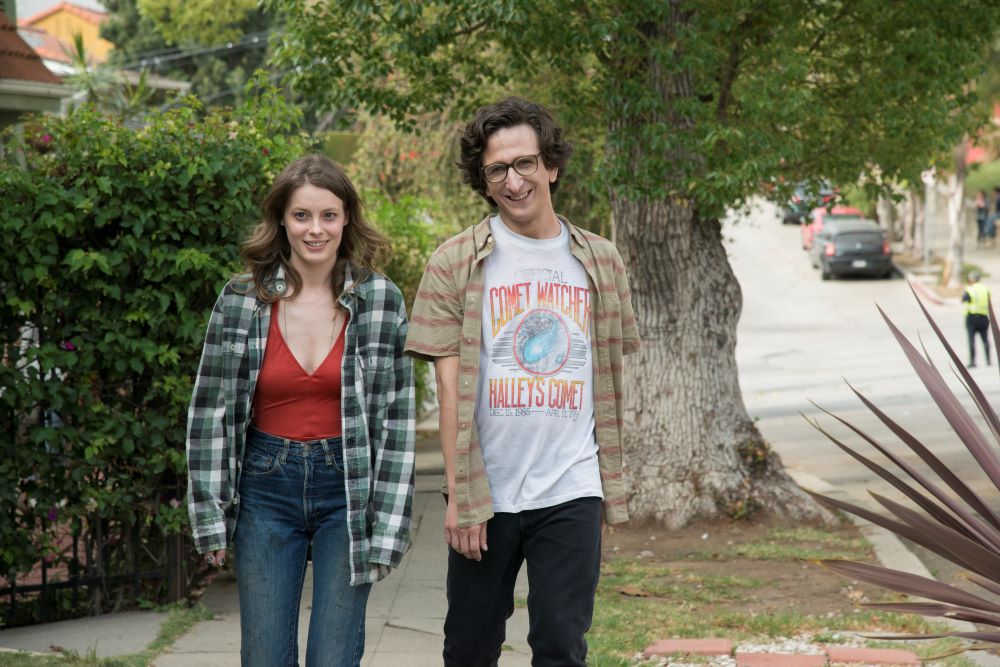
column 364, row 247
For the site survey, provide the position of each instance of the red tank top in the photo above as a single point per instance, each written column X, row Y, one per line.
column 289, row 402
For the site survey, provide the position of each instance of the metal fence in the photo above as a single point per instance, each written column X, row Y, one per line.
column 106, row 566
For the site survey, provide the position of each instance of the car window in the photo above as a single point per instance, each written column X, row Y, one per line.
column 864, row 238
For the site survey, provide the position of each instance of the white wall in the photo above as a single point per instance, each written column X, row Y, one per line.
column 26, row 8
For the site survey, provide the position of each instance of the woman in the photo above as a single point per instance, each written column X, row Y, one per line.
column 300, row 431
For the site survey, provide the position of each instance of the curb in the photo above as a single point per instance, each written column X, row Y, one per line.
column 848, row 655
column 912, row 280
column 891, row 553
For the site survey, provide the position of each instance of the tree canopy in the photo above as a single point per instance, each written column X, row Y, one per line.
column 779, row 88
column 214, row 50
column 701, row 105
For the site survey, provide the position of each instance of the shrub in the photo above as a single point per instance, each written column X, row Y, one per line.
column 944, row 514
column 414, row 230
column 117, row 242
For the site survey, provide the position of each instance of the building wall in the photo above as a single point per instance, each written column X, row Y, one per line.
column 64, row 25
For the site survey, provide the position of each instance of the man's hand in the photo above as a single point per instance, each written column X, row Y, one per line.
column 471, row 541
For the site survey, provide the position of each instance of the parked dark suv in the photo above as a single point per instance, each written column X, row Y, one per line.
column 796, row 210
column 851, row 247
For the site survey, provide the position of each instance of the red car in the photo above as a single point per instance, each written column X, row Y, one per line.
column 814, row 224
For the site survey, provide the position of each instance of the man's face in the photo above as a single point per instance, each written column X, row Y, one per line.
column 525, row 201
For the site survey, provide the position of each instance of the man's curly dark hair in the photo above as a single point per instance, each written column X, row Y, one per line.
column 510, row 112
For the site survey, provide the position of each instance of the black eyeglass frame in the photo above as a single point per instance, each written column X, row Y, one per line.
column 510, row 165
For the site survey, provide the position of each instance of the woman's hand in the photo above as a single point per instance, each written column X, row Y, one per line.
column 217, row 558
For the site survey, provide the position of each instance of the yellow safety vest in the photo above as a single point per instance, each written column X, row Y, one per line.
column 978, row 303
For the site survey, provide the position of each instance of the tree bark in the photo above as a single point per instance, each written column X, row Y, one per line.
column 886, row 212
column 692, row 451
column 957, row 218
column 915, row 241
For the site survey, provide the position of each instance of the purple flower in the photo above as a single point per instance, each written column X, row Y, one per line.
column 46, row 138
column 53, row 513
column 68, row 346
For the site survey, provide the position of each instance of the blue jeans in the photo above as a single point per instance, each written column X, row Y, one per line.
column 292, row 495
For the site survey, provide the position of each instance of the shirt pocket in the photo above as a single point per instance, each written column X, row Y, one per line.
column 376, row 370
column 234, row 359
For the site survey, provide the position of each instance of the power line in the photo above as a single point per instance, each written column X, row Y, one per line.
column 154, row 59
column 223, row 93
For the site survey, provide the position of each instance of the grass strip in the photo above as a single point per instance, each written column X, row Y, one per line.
column 640, row 600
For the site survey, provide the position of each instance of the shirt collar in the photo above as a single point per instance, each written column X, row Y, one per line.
column 482, row 236
column 278, row 285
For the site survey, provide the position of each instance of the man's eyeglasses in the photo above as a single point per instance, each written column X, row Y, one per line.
column 525, row 166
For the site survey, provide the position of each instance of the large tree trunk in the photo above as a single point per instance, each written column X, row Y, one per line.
column 691, row 449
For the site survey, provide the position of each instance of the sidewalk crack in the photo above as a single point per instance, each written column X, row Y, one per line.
column 406, row 627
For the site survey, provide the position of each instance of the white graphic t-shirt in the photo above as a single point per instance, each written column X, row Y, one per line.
column 535, row 412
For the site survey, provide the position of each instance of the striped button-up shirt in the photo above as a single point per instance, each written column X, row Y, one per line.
column 377, row 409
column 447, row 321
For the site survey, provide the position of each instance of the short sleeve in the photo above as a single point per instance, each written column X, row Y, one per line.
column 436, row 322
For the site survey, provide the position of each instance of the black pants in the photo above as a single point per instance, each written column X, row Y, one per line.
column 974, row 324
column 562, row 545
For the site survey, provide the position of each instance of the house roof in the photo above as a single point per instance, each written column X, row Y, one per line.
column 89, row 15
column 49, row 47
column 18, row 60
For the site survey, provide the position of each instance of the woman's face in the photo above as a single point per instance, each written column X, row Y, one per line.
column 314, row 223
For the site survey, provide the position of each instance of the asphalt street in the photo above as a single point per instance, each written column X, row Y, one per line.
column 801, row 339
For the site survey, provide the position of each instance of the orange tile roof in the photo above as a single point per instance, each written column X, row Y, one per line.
column 18, row 60
column 47, row 46
column 90, row 15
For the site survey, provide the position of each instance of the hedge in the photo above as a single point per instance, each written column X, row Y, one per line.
column 117, row 242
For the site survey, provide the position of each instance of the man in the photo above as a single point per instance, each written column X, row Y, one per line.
column 526, row 319
column 977, row 298
column 990, row 228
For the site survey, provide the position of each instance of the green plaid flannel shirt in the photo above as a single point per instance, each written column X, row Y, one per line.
column 377, row 406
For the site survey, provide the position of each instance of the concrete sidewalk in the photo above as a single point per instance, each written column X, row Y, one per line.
column 405, row 611
column 404, row 624
column 987, row 259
